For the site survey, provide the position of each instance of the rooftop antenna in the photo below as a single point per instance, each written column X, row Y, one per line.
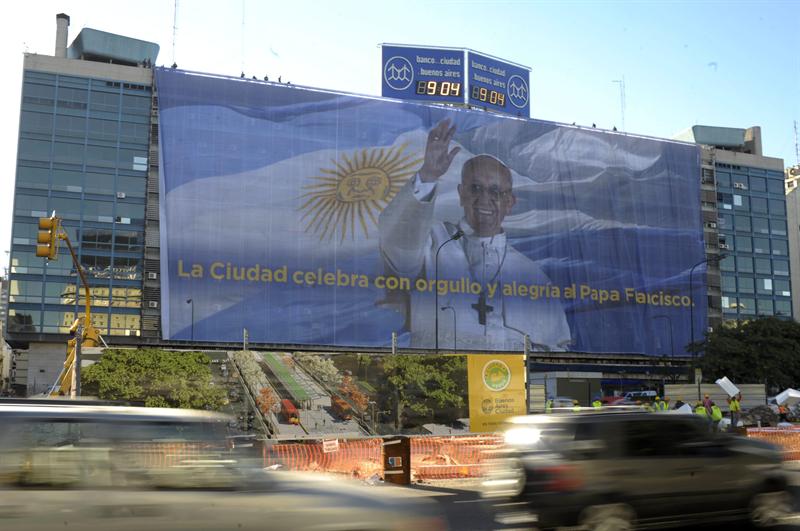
column 621, row 83
column 174, row 29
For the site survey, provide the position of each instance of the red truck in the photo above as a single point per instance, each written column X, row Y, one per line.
column 289, row 411
column 341, row 408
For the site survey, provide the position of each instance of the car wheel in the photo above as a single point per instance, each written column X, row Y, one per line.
column 768, row 509
column 612, row 517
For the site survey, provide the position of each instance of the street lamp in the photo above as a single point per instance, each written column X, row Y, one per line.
column 716, row 258
column 191, row 303
column 459, row 233
column 455, row 337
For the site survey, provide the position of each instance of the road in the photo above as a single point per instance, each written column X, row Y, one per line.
column 467, row 511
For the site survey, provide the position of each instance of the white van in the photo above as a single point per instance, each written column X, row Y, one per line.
column 641, row 395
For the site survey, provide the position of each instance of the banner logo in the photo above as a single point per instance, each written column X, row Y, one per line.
column 496, row 375
column 355, row 190
column 398, row 73
column 517, row 91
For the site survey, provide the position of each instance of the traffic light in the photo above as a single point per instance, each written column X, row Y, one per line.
column 48, row 237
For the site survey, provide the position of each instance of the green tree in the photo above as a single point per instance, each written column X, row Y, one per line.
column 763, row 350
column 159, row 378
column 424, row 384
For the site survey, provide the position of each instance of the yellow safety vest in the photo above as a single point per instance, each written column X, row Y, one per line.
column 576, row 408
column 716, row 413
column 597, row 404
column 735, row 406
column 701, row 410
column 548, row 406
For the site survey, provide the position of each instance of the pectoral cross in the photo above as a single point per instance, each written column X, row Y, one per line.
column 482, row 308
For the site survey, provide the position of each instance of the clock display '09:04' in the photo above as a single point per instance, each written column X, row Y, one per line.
column 491, row 96
column 439, row 88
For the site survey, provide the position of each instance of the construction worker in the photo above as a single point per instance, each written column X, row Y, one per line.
column 597, row 404
column 659, row 405
column 666, row 403
column 707, row 404
column 716, row 416
column 576, row 406
column 700, row 410
column 679, row 403
column 735, row 407
column 548, row 405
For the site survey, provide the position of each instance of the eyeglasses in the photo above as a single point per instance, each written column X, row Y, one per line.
column 494, row 192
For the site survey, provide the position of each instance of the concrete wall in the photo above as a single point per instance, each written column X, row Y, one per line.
column 76, row 67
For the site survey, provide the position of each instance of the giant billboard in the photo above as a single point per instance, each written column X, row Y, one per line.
column 310, row 217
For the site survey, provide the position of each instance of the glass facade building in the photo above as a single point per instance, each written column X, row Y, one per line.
column 83, row 154
column 745, row 214
column 753, row 233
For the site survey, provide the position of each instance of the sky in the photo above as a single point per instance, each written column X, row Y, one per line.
column 723, row 63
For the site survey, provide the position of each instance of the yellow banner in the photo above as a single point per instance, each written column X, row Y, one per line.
column 496, row 389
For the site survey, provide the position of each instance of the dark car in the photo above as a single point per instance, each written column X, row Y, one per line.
column 626, row 470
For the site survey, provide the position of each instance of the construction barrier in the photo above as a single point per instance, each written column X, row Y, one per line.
column 449, row 457
column 436, row 457
column 358, row 458
column 787, row 438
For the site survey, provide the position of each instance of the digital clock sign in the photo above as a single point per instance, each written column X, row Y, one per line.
column 498, row 85
column 423, row 74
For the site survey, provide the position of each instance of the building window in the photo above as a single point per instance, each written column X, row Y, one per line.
column 744, row 264
column 743, row 224
column 728, row 283
column 727, row 264
column 783, row 308
column 764, row 286
column 746, row 306
column 723, row 179
column 744, row 244
column 763, row 266
column 782, row 288
column 775, row 186
column 777, row 207
column 758, row 184
column 746, row 285
column 759, row 204
column 780, row 247
column 765, row 307
column 778, row 227
column 761, row 225
column 780, row 267
column 761, row 245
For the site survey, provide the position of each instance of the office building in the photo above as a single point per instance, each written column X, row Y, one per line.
column 84, row 153
column 792, row 176
column 745, row 217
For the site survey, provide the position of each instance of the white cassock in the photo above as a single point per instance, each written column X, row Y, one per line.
column 409, row 238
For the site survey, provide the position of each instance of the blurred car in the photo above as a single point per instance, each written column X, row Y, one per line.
column 625, row 470
column 67, row 465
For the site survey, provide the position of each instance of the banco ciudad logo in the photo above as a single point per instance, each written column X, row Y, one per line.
column 517, row 91
column 398, row 73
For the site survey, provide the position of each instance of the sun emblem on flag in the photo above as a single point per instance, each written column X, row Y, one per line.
column 354, row 190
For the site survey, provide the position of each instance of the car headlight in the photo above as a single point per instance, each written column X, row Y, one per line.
column 522, row 436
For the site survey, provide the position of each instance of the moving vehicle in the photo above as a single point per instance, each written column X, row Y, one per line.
column 625, row 470
column 341, row 408
column 289, row 411
column 85, row 466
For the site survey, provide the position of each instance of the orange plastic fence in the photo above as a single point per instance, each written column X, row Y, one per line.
column 432, row 457
column 163, row 455
column 360, row 458
column 437, row 457
column 786, row 438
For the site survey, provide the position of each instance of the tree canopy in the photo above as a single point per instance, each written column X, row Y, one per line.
column 159, row 378
column 762, row 350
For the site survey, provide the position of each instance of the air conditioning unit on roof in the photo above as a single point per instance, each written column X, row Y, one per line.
column 152, row 304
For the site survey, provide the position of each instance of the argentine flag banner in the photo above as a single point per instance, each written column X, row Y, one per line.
column 315, row 218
